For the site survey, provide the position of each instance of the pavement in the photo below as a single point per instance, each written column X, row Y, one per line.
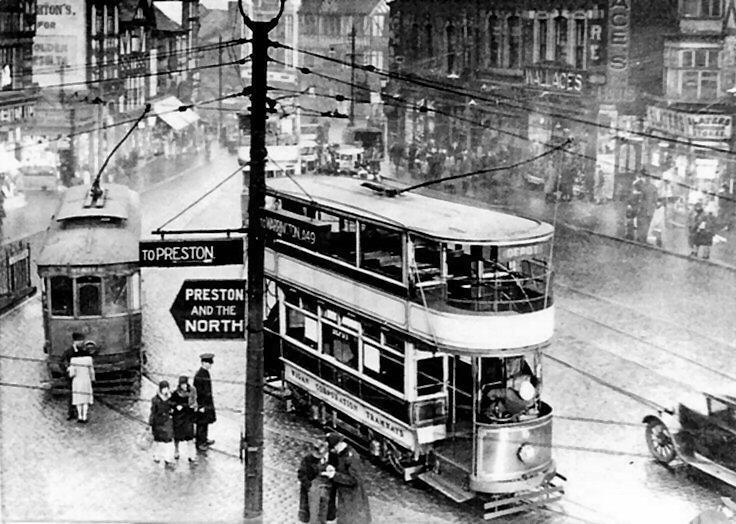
column 607, row 219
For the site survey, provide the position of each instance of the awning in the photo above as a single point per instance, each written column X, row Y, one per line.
column 167, row 110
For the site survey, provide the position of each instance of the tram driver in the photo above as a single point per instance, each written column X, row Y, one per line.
column 513, row 398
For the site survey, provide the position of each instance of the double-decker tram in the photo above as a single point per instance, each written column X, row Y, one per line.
column 91, row 283
column 415, row 325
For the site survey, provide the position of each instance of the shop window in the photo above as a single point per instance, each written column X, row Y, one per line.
column 514, row 31
column 383, row 366
column 340, row 345
column 430, row 376
column 88, row 295
column 62, row 296
column 116, row 294
column 494, row 41
column 301, row 327
column 708, row 85
column 690, row 84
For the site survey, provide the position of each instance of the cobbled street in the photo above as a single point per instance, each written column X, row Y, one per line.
column 624, row 331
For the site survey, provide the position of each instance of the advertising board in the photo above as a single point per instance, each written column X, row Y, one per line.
column 59, row 47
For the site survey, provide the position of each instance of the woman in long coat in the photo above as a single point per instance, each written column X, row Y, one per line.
column 347, row 480
column 184, row 405
column 82, row 372
column 162, row 424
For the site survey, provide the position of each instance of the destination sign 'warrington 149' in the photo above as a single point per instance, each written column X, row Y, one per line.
column 175, row 253
column 291, row 227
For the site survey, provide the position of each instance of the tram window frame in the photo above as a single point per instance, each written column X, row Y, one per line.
column 290, row 314
column 390, row 364
column 437, row 387
column 52, row 290
column 387, row 252
column 337, row 238
column 327, row 347
column 117, row 306
column 92, row 282
column 134, row 292
column 423, row 269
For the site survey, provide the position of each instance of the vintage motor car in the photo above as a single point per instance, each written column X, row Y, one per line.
column 700, row 431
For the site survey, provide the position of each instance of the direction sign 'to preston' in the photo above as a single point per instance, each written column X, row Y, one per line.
column 187, row 252
column 210, row 309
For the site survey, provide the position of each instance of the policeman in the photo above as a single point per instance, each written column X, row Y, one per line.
column 206, row 406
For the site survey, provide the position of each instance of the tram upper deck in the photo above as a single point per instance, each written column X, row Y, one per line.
column 83, row 233
column 465, row 277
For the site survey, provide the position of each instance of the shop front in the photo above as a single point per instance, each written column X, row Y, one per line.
column 689, row 153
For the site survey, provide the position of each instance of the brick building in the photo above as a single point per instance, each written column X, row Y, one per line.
column 540, row 70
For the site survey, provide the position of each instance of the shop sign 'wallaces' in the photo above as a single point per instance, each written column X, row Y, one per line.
column 210, row 309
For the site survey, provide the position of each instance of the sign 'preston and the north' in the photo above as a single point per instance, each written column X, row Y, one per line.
column 175, row 253
column 210, row 309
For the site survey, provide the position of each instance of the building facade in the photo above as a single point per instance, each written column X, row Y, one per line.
column 17, row 92
column 349, row 31
column 692, row 125
column 535, row 72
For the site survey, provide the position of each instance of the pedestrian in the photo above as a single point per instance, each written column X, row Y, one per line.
column 205, row 404
column 76, row 347
column 726, row 206
column 657, row 225
column 347, row 478
column 314, row 490
column 633, row 209
column 701, row 230
column 550, row 183
column 82, row 372
column 162, row 425
column 184, row 406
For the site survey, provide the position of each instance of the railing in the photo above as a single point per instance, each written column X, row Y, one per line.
column 485, row 295
column 15, row 273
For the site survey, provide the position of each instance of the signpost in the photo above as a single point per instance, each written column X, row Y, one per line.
column 181, row 253
column 210, row 309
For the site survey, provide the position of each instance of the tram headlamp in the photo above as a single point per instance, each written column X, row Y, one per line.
column 527, row 453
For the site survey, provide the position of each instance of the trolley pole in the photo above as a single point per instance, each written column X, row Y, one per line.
column 352, row 76
column 253, row 504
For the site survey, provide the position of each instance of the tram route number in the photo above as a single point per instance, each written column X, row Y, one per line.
column 210, row 309
column 175, row 253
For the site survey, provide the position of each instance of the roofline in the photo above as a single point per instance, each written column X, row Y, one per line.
column 522, row 240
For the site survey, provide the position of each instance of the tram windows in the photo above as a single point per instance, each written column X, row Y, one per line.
column 381, row 251
column 342, row 239
column 427, row 265
column 89, row 296
column 340, row 345
column 62, row 296
column 301, row 327
column 116, row 294
column 508, row 389
column 384, row 366
column 430, row 376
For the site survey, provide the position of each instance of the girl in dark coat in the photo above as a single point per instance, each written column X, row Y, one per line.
column 162, row 425
column 184, row 405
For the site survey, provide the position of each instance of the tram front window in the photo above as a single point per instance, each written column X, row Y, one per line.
column 88, row 293
column 509, row 389
column 116, row 294
column 62, row 296
column 498, row 278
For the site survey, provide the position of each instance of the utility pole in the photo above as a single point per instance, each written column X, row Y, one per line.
column 253, row 503
column 219, row 90
column 352, row 76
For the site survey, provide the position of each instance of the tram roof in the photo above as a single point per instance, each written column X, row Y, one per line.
column 438, row 218
column 84, row 237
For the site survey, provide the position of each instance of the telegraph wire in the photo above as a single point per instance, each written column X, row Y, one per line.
column 455, row 90
column 198, row 50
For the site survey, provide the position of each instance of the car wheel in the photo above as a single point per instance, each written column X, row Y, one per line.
column 660, row 442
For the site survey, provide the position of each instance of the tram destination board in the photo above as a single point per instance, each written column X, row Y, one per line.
column 190, row 252
column 210, row 309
